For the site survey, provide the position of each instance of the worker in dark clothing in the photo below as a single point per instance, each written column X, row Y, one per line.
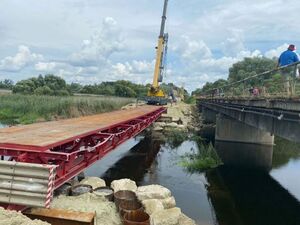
column 289, row 74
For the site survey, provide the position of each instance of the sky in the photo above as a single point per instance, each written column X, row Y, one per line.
column 90, row 41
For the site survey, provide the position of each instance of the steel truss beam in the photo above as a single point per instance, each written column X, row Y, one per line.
column 74, row 155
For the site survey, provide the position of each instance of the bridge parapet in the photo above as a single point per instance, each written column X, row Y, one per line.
column 278, row 116
column 289, row 104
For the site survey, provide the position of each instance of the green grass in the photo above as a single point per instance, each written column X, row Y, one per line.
column 175, row 137
column 206, row 158
column 191, row 100
column 23, row 109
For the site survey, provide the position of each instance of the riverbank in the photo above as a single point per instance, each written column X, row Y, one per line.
column 183, row 122
column 178, row 117
column 155, row 200
column 24, row 109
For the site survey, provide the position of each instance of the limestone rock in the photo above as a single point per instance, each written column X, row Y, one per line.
column 158, row 128
column 161, row 124
column 152, row 192
column 166, row 217
column 152, row 205
column 181, row 127
column 173, row 124
column 95, row 182
column 106, row 211
column 9, row 217
column 168, row 203
column 124, row 185
column 184, row 220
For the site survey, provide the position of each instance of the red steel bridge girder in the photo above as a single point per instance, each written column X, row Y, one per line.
column 78, row 153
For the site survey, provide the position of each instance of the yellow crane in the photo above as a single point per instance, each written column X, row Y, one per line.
column 156, row 95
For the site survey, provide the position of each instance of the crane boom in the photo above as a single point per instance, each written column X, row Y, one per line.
column 155, row 93
column 164, row 18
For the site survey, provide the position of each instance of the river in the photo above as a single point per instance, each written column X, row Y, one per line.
column 223, row 196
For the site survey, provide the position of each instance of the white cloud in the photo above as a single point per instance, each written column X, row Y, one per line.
column 189, row 49
column 102, row 44
column 133, row 68
column 259, row 20
column 23, row 58
column 46, row 66
column 276, row 52
column 82, row 41
column 65, row 70
column 235, row 44
column 201, row 66
column 92, row 62
column 136, row 71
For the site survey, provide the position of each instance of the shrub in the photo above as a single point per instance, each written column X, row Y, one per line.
column 206, row 158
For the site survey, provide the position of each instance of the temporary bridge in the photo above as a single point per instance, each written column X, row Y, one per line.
column 38, row 158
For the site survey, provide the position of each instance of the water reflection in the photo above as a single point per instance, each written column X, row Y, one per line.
column 248, row 197
column 286, row 165
column 226, row 195
column 151, row 161
column 140, row 160
column 245, row 155
column 284, row 152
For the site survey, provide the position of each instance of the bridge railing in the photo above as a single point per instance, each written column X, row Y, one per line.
column 280, row 82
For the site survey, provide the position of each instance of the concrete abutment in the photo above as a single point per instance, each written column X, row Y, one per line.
column 231, row 130
column 208, row 116
column 239, row 144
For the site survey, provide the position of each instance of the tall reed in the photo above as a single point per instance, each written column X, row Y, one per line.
column 29, row 109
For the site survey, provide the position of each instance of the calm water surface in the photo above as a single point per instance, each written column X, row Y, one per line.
column 221, row 196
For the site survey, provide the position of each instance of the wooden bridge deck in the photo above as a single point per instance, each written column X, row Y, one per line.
column 45, row 135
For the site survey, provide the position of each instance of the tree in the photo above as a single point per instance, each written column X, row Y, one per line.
column 26, row 87
column 6, row 84
column 124, row 91
column 48, row 85
column 209, row 87
column 44, row 90
column 74, row 87
column 249, row 67
column 55, row 82
column 241, row 70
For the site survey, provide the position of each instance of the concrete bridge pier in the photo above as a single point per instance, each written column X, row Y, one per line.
column 239, row 144
column 208, row 116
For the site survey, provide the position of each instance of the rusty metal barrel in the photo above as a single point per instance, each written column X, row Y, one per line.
column 65, row 190
column 81, row 189
column 106, row 192
column 124, row 196
column 130, row 206
column 136, row 218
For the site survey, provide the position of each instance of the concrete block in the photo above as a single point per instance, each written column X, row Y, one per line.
column 166, row 217
column 124, row 185
column 95, row 182
column 168, row 203
column 184, row 220
column 152, row 192
column 152, row 205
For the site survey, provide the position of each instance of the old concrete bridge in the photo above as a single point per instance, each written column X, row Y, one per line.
column 252, row 121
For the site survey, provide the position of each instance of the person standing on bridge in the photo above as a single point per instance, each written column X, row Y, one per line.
column 289, row 74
